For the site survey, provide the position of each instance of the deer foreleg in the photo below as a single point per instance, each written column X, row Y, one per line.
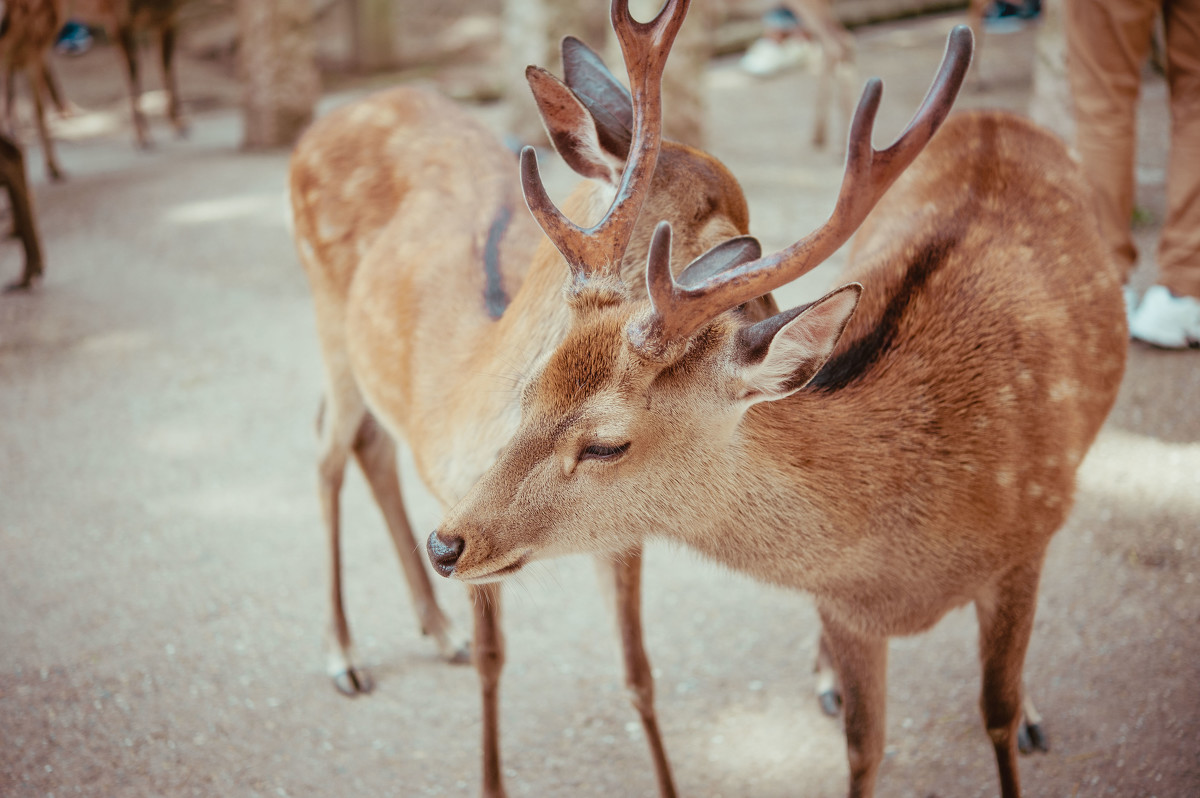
column 12, row 164
column 53, row 89
column 128, row 44
column 1005, row 613
column 626, row 572
column 862, row 669
column 174, row 107
column 10, row 87
column 488, row 654
column 338, row 425
column 376, row 453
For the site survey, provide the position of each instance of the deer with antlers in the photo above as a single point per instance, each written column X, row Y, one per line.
column 901, row 446
column 429, row 279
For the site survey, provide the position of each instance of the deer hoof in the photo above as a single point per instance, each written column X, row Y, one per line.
column 352, row 682
column 831, row 703
column 1030, row 738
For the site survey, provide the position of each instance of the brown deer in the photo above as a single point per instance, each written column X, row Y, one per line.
column 13, row 178
column 902, row 446
column 435, row 294
column 124, row 21
column 27, row 31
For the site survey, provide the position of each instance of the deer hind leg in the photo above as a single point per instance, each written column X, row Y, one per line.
column 174, row 107
column 1005, row 613
column 37, row 85
column 829, row 692
column 12, row 169
column 861, row 664
column 128, row 43
column 375, row 451
column 488, row 654
column 625, row 571
column 338, row 423
column 1030, row 734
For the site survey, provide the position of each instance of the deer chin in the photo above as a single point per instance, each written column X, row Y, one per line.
column 486, row 572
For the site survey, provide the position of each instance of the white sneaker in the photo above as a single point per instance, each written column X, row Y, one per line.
column 1166, row 320
column 766, row 57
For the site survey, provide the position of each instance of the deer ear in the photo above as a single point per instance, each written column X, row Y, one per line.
column 572, row 128
column 780, row 355
column 609, row 103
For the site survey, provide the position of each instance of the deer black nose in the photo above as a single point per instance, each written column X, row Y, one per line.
column 444, row 553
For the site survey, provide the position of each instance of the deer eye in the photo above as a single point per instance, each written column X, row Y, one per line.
column 598, row 451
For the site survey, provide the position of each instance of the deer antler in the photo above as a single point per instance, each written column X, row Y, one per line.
column 599, row 249
column 720, row 282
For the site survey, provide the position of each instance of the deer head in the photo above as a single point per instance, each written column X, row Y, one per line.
column 637, row 420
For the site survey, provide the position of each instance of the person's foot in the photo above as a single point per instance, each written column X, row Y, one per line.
column 1167, row 321
column 73, row 39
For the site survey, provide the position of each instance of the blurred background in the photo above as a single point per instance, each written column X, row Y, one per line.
column 162, row 560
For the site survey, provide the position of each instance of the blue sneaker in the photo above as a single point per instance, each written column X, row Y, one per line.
column 73, row 39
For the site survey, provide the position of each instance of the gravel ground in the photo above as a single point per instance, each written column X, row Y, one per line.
column 161, row 579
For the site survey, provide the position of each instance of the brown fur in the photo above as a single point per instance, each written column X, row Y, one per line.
column 926, row 469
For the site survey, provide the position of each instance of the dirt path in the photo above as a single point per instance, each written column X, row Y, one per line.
column 162, row 568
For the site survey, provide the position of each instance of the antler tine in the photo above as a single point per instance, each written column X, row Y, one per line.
column 600, row 248
column 680, row 309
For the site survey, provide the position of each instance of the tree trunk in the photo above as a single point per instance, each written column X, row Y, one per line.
column 279, row 70
column 533, row 34
column 374, row 34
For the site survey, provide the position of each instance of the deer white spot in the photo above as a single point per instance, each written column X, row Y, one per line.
column 307, row 253
column 1006, row 395
column 1063, row 390
column 1005, row 478
column 358, row 180
column 327, row 231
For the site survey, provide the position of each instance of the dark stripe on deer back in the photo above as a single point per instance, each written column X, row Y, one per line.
column 855, row 361
column 494, row 296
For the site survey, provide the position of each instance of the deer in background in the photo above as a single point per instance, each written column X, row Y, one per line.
column 436, row 295
column 27, row 31
column 124, row 21
column 901, row 446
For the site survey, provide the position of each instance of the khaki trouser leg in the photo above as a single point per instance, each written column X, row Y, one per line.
column 1179, row 247
column 1107, row 44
